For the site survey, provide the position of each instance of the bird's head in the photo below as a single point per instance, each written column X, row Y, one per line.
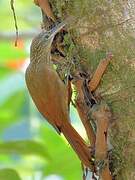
column 43, row 41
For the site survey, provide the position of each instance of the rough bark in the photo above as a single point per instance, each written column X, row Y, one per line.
column 101, row 26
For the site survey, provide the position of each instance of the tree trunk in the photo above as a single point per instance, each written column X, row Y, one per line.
column 96, row 28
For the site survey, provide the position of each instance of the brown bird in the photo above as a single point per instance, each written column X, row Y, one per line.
column 50, row 94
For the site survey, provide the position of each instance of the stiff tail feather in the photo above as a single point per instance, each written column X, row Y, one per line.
column 77, row 143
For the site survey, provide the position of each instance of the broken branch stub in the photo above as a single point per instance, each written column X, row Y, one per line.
column 102, row 115
column 45, row 6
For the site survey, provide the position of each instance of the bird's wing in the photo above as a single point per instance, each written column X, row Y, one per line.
column 49, row 93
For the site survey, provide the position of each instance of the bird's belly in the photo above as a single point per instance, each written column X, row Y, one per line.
column 49, row 96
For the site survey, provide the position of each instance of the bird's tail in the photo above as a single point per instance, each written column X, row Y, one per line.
column 77, row 143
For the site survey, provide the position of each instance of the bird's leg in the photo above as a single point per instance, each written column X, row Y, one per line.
column 93, row 84
column 45, row 6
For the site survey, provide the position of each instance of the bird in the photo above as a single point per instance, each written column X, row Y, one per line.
column 49, row 92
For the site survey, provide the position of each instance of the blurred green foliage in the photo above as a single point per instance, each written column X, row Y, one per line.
column 9, row 174
column 13, row 52
column 27, row 15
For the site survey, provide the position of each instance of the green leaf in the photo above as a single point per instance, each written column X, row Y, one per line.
column 10, row 111
column 16, row 81
column 9, row 174
column 13, row 52
column 24, row 147
column 64, row 161
column 4, row 71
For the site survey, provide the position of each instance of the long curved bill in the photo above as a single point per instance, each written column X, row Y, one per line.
column 55, row 30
